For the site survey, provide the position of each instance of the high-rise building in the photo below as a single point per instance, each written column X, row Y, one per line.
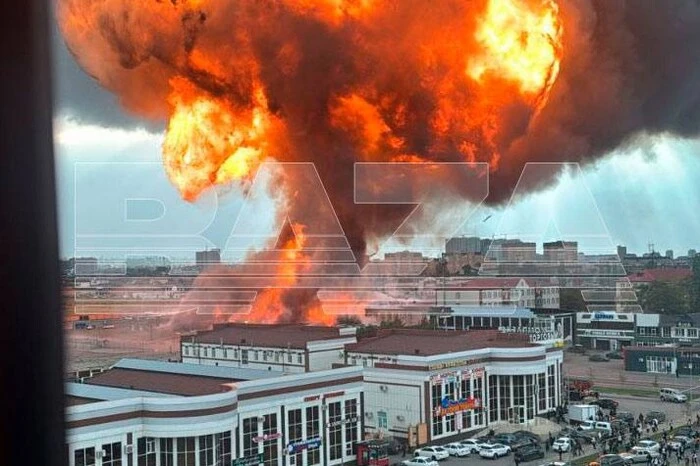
column 560, row 251
column 669, row 254
column 621, row 251
column 692, row 253
column 463, row 245
column 208, row 257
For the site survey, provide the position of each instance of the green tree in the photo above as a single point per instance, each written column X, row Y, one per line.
column 664, row 298
column 571, row 299
column 694, row 286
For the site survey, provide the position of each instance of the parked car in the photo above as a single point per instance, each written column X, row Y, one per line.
column 671, row 394
column 678, row 441
column 505, row 439
column 686, row 431
column 638, row 456
column 494, row 450
column 658, row 415
column 556, row 463
column 457, row 449
column 598, row 358
column 562, row 444
column 612, row 460
column 625, row 416
column 473, row 445
column 419, row 461
column 605, row 403
column 529, row 453
column 577, row 349
column 646, row 446
column 434, row 453
column 586, row 425
column 614, row 355
column 534, row 438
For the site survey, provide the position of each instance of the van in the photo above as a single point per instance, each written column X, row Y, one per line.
column 671, row 394
column 604, row 426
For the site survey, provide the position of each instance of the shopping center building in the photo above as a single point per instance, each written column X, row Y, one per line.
column 425, row 385
column 151, row 413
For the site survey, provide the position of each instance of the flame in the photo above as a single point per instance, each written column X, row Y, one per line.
column 208, row 141
column 269, row 306
column 521, row 42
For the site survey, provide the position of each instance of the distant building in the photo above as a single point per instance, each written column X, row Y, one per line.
column 512, row 250
column 85, row 266
column 463, row 245
column 621, row 251
column 669, row 253
column 561, row 251
column 485, row 245
column 286, row 348
column 208, row 257
column 692, row 253
column 499, row 291
column 605, row 330
column 404, row 256
column 669, row 275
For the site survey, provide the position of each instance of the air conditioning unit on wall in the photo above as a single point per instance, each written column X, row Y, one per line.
column 384, row 388
column 369, row 415
column 128, row 449
column 400, row 418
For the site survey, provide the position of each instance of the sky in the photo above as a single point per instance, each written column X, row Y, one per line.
column 645, row 193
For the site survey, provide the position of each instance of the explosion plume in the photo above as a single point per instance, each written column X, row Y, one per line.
column 338, row 81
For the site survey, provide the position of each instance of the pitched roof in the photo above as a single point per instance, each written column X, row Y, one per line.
column 274, row 336
column 433, row 342
column 661, row 275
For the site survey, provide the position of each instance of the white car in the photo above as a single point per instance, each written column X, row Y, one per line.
column 678, row 441
column 434, row 453
column 493, row 450
column 637, row 456
column 562, row 444
column 457, row 449
column 648, row 445
column 586, row 425
column 473, row 445
column 419, row 461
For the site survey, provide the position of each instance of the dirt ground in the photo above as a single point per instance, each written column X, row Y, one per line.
column 102, row 347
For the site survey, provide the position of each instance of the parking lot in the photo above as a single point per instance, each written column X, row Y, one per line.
column 677, row 415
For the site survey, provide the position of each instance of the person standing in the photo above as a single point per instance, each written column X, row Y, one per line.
column 517, row 460
column 695, row 459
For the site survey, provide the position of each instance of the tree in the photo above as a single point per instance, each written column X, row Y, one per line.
column 350, row 321
column 664, row 298
column 571, row 299
column 694, row 286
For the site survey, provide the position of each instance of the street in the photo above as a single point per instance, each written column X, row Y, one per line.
column 676, row 414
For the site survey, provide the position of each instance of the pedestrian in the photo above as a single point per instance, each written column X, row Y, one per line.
column 648, row 459
column 546, row 447
column 560, row 454
column 687, row 461
column 695, row 459
column 517, row 460
column 593, row 442
column 403, row 450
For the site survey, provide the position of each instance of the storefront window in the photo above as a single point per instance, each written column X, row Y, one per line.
column 271, row 447
column 493, row 398
column 350, row 426
column 478, row 393
column 185, row 451
column 250, row 430
column 146, row 451
column 541, row 391
column 166, row 452
column 223, row 445
column 313, row 455
column 295, row 434
column 436, row 396
column 84, row 457
column 206, row 450
column 551, row 383
column 112, row 454
column 335, row 437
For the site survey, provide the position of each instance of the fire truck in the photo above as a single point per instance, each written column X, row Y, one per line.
column 372, row 453
column 579, row 388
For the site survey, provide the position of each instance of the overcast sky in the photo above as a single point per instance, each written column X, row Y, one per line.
column 103, row 156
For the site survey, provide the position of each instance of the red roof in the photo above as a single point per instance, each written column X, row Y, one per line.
column 661, row 275
column 274, row 336
column 160, row 382
column 434, row 342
